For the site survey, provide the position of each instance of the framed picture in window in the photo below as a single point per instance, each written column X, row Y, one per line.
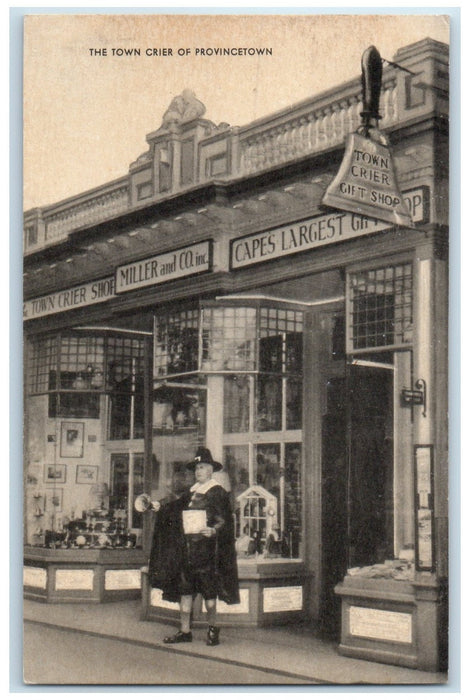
column 53, row 500
column 86, row 474
column 71, row 439
column 54, row 473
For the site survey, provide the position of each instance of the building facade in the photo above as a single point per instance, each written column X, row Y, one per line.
column 207, row 297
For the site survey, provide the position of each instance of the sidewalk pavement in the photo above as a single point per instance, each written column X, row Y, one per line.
column 289, row 650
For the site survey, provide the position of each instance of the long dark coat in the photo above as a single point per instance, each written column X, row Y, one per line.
column 169, row 552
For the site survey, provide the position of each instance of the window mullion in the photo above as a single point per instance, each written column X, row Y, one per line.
column 282, row 486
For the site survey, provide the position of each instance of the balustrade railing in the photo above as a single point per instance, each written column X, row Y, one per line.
column 308, row 131
column 91, row 211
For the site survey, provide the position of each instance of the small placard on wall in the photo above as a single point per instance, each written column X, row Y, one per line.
column 385, row 625
column 74, row 579
column 424, row 508
column 35, row 577
column 120, row 579
column 282, row 598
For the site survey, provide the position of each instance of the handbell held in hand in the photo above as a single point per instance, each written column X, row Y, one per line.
column 144, row 503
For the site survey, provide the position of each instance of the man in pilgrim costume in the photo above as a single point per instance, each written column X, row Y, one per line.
column 193, row 549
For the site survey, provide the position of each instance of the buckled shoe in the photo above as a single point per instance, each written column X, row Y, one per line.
column 213, row 636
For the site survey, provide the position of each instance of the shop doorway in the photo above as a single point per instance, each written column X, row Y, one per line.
column 357, row 478
column 370, row 468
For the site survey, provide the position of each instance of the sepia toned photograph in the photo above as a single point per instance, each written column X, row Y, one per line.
column 235, row 343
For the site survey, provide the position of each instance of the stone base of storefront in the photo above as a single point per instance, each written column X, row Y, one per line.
column 391, row 621
column 271, row 593
column 81, row 575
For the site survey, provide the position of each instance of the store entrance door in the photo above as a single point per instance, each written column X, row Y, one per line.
column 357, row 479
column 370, row 464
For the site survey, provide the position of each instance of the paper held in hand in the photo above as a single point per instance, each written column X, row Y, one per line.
column 194, row 521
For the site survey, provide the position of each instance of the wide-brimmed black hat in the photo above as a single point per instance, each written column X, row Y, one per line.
column 204, row 455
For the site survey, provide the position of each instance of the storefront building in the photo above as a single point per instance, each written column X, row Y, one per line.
column 207, row 297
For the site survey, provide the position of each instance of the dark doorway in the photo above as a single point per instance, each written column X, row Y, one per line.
column 370, row 479
column 357, row 480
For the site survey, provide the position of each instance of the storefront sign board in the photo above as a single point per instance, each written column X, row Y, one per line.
column 366, row 183
column 315, row 232
column 385, row 625
column 67, row 299
column 164, row 267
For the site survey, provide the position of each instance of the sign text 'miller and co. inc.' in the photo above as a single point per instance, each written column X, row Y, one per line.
column 317, row 231
column 164, row 267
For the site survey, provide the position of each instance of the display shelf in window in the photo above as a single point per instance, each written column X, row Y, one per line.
column 257, row 510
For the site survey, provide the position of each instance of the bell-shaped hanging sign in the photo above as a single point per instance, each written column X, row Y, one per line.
column 366, row 182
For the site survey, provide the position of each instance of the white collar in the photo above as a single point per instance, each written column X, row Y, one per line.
column 203, row 488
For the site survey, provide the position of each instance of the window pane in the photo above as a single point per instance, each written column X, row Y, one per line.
column 293, row 403
column 120, row 417
column 125, row 379
column 74, row 405
column 176, row 338
column 269, row 403
column 119, row 482
column 294, row 353
column 236, row 404
column 381, row 306
column 81, row 361
column 280, row 340
column 125, row 362
column 237, row 466
column 176, row 409
column 293, row 498
column 137, row 518
column 43, row 365
column 270, row 354
column 228, row 338
column 268, row 468
column 139, row 410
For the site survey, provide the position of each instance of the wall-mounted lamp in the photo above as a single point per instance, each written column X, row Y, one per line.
column 416, row 396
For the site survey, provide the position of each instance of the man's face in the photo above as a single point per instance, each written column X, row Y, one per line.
column 203, row 472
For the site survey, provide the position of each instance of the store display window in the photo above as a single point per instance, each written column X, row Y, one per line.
column 271, row 473
column 85, row 392
column 246, row 359
column 73, row 369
